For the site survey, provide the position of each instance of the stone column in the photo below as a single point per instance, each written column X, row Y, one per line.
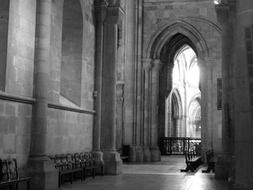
column 227, row 35
column 108, row 115
column 243, row 70
column 146, row 109
column 100, row 14
column 180, row 129
column 137, row 149
column 155, row 152
column 41, row 168
column 223, row 161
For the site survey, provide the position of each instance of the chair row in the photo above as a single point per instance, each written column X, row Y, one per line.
column 9, row 176
column 76, row 165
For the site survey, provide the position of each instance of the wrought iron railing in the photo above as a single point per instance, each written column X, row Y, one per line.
column 178, row 145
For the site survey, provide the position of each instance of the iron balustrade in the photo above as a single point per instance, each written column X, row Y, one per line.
column 178, row 145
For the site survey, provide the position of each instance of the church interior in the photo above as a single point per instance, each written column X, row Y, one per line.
column 125, row 82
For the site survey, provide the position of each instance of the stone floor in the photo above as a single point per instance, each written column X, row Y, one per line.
column 164, row 175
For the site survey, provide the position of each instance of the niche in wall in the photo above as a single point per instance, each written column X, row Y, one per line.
column 72, row 42
column 4, row 21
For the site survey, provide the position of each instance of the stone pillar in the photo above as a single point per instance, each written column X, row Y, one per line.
column 137, row 148
column 180, row 130
column 184, row 126
column 100, row 14
column 146, row 109
column 108, row 115
column 227, row 35
column 41, row 168
column 223, row 160
column 243, row 70
column 155, row 152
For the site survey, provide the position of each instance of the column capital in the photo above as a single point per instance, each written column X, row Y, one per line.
column 114, row 14
column 147, row 63
column 100, row 10
column 156, row 64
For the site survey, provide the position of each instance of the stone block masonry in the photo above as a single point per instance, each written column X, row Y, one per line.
column 15, row 122
column 69, row 132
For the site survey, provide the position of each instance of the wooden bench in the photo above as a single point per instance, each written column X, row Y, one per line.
column 67, row 167
column 72, row 165
column 98, row 165
column 89, row 167
column 87, row 161
column 210, row 162
column 192, row 160
column 9, row 176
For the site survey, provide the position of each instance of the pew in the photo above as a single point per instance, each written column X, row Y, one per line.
column 9, row 176
column 192, row 160
column 67, row 167
column 76, row 165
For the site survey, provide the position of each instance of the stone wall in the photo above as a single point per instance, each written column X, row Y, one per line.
column 71, row 131
column 16, row 102
column 21, row 40
column 15, row 121
column 68, row 130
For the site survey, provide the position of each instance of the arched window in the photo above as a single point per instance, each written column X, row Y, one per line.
column 71, row 66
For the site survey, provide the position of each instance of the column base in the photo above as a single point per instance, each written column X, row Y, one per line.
column 146, row 154
column 238, row 184
column 155, row 154
column 113, row 163
column 132, row 154
column 222, row 167
column 139, row 154
column 43, row 173
column 98, row 155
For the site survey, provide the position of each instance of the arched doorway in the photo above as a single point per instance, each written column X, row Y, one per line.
column 185, row 79
column 163, row 46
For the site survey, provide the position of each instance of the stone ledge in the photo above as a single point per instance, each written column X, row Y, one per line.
column 71, row 109
column 19, row 99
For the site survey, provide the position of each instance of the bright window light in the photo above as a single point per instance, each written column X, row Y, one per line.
column 192, row 76
column 217, row 2
column 186, row 70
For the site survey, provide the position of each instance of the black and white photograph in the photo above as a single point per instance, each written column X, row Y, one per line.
column 126, row 94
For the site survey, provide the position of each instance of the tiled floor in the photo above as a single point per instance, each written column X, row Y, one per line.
column 164, row 175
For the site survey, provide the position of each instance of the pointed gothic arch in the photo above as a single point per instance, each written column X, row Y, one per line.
column 159, row 40
column 164, row 45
